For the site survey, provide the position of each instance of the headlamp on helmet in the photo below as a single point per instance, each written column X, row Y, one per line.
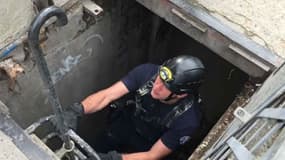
column 182, row 74
column 165, row 74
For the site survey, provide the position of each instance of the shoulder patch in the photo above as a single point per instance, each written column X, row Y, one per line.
column 184, row 139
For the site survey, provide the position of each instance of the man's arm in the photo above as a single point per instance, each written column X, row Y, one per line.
column 102, row 98
column 157, row 151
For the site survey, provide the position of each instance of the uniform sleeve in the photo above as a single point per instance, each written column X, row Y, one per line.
column 174, row 137
column 139, row 75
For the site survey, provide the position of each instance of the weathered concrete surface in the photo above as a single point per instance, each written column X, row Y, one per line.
column 262, row 21
column 15, row 18
column 254, row 59
column 82, row 57
column 8, row 150
column 16, row 143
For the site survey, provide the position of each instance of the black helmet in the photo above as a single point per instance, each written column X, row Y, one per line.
column 182, row 74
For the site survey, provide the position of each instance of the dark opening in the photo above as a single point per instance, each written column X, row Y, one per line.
column 161, row 41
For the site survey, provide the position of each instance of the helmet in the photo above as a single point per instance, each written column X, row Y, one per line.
column 182, row 74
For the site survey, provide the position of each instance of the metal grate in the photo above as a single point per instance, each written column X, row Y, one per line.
column 258, row 137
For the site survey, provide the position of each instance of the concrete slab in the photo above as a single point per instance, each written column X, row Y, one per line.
column 15, row 143
column 235, row 47
column 16, row 16
column 262, row 21
column 8, row 150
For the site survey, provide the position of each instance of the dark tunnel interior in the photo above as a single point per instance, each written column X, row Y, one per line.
column 163, row 41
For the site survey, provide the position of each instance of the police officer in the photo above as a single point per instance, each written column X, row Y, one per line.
column 163, row 115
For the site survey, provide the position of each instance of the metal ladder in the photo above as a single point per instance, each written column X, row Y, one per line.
column 259, row 134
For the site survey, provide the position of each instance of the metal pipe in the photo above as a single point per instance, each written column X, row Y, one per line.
column 8, row 50
column 31, row 129
column 90, row 151
column 34, row 43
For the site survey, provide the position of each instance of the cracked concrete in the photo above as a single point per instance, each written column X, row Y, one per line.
column 260, row 20
column 9, row 150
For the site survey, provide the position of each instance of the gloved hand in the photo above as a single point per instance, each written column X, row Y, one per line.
column 112, row 155
column 115, row 111
column 71, row 115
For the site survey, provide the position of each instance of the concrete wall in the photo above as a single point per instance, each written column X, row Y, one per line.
column 82, row 58
column 16, row 16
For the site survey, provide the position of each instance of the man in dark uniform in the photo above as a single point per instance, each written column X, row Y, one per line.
column 163, row 115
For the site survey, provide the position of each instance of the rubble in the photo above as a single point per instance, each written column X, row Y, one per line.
column 11, row 69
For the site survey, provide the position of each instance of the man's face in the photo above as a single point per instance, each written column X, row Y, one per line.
column 159, row 90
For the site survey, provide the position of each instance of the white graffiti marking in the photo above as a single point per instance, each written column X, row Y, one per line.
column 68, row 63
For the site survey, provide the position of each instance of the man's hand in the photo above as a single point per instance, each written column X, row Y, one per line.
column 112, row 155
column 71, row 115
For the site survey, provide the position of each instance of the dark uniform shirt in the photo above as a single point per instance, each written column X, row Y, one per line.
column 181, row 129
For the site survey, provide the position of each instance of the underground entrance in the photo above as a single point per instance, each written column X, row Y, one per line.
column 162, row 41
column 88, row 55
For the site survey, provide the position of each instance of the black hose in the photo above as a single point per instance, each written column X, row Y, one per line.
column 34, row 43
